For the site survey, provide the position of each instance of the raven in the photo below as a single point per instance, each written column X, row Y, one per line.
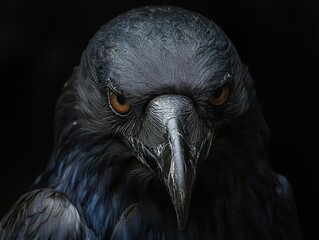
column 158, row 135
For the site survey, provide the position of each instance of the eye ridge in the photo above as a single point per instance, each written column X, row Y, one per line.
column 219, row 96
column 119, row 104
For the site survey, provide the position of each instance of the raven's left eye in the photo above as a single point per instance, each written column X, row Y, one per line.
column 119, row 103
column 219, row 96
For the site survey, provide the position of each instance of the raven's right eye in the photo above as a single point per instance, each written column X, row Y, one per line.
column 219, row 96
column 119, row 104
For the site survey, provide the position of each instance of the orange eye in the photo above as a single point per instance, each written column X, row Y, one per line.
column 119, row 103
column 219, row 96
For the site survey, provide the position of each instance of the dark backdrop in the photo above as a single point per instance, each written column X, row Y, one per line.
column 40, row 43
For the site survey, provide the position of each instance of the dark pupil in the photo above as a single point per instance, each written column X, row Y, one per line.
column 217, row 93
column 121, row 99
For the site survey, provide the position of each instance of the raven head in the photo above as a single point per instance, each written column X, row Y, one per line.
column 166, row 79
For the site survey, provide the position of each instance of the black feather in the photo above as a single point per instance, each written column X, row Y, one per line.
column 44, row 214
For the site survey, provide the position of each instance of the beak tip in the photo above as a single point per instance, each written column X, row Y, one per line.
column 182, row 225
column 180, row 193
column 182, row 217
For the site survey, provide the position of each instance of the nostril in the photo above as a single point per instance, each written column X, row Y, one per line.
column 165, row 107
column 168, row 106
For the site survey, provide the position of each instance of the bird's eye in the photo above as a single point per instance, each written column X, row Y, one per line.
column 219, row 96
column 119, row 103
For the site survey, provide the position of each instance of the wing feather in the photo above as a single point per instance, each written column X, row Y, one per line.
column 44, row 214
column 286, row 225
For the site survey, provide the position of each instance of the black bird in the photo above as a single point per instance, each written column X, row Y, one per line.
column 158, row 136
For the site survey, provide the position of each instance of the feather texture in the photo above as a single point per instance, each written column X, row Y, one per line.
column 95, row 187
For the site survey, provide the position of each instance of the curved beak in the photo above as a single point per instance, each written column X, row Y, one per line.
column 171, row 154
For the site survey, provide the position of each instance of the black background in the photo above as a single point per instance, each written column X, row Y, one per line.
column 41, row 42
